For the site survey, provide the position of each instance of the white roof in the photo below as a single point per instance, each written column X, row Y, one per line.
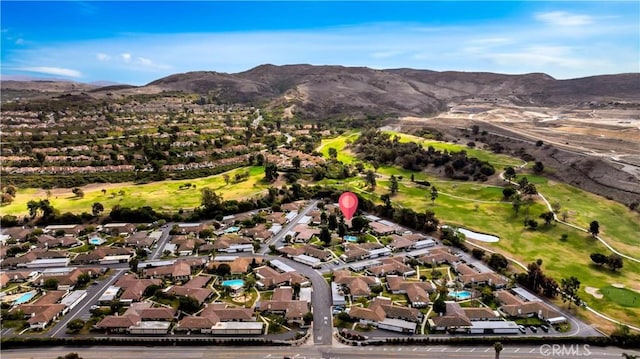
column 388, row 223
column 238, row 325
column 57, row 271
column 399, row 323
column 35, row 262
column 113, row 225
column 291, row 215
column 73, row 297
column 305, row 220
column 372, row 218
column 281, row 266
column 307, row 259
column 275, row 228
column 225, row 258
column 493, row 324
column 153, row 325
column 525, row 294
column 187, row 225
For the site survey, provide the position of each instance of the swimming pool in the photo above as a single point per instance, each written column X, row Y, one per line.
column 460, row 295
column 350, row 238
column 233, row 283
column 232, row 229
column 96, row 241
column 25, row 298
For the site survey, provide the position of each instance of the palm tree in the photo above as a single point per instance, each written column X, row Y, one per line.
column 498, row 347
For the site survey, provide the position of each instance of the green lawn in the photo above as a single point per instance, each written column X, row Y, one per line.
column 163, row 195
column 622, row 296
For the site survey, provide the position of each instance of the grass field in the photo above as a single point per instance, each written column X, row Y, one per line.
column 622, row 296
column 480, row 207
column 163, row 195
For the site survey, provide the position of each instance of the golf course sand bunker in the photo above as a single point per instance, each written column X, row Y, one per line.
column 478, row 236
column 595, row 292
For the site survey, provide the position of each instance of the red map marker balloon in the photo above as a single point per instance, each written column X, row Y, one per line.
column 348, row 204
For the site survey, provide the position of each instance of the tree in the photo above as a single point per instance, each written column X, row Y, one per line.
column 434, row 194
column 507, row 192
column 333, row 153
column 133, row 264
column 226, row 178
column 497, row 346
column 223, row 270
column 270, row 172
column 614, row 262
column 296, row 162
column 209, row 199
column 393, row 185
column 97, row 208
column 75, row 325
column 325, row 236
column 439, row 306
column 10, row 190
column 509, row 173
column 516, row 202
column 538, row 167
column 531, row 223
column 530, row 189
column 6, row 198
column 549, row 287
column 594, row 228
column 332, row 221
column 296, row 290
column 547, row 217
column 370, row 179
column 188, row 304
column 78, row 192
column 50, row 284
column 83, row 279
column 477, row 253
column 599, row 258
column 359, row 223
column 569, row 290
column 498, row 262
column 534, row 276
column 308, row 318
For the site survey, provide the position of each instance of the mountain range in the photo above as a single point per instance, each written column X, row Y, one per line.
column 320, row 91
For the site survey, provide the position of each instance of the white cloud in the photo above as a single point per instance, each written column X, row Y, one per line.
column 102, row 57
column 563, row 18
column 126, row 57
column 58, row 71
column 20, row 41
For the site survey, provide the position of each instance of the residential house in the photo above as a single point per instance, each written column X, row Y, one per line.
column 438, row 256
column 417, row 292
column 119, row 229
column 393, row 265
column 179, row 271
column 453, row 320
column 282, row 303
column 382, row 314
column 134, row 288
column 356, row 286
column 270, row 278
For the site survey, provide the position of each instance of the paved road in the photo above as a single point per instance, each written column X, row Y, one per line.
column 320, row 299
column 164, row 238
column 277, row 240
column 387, row 352
column 93, row 294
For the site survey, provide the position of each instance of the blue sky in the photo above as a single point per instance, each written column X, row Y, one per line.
column 138, row 42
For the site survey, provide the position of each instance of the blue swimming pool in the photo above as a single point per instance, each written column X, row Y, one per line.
column 96, row 241
column 232, row 229
column 350, row 238
column 24, row 298
column 233, row 283
column 460, row 295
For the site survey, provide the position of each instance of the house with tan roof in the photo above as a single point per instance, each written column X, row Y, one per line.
column 438, row 256
column 356, row 286
column 417, row 292
column 391, row 266
column 199, row 294
column 139, row 318
column 454, row 319
column 179, row 271
column 514, row 306
column 382, row 314
column 270, row 278
column 282, row 303
column 220, row 318
column 134, row 288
